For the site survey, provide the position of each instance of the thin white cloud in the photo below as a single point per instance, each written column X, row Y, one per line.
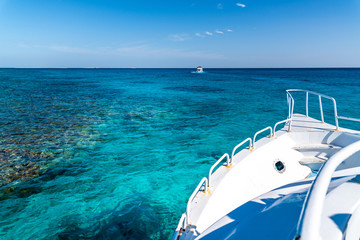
column 187, row 54
column 229, row 30
column 149, row 52
column 208, row 33
column 220, row 6
column 199, row 35
column 241, row 5
column 219, row 32
column 179, row 37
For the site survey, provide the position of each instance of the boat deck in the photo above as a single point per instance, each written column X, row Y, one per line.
column 302, row 123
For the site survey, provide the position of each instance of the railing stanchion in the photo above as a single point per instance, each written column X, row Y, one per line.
column 321, row 109
column 292, row 111
column 289, row 104
column 307, row 103
column 336, row 116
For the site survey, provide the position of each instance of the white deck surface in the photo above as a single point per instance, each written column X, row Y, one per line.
column 275, row 214
column 301, row 123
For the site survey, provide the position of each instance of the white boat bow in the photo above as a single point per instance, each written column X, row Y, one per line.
column 259, row 192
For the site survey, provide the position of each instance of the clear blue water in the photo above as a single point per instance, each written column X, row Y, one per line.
column 115, row 153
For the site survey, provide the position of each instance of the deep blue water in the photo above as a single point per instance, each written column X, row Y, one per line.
column 115, row 153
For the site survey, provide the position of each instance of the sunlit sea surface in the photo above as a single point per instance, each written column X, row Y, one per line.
column 115, row 153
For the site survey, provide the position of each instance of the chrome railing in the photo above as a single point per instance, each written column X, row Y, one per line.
column 239, row 145
column 291, row 103
column 205, row 183
column 310, row 220
column 280, row 122
column 217, row 163
column 181, row 225
column 307, row 92
column 349, row 119
column 202, row 183
column 258, row 132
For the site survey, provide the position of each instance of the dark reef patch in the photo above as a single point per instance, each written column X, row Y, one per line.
column 142, row 82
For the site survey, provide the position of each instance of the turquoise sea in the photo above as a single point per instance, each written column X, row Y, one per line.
column 115, row 153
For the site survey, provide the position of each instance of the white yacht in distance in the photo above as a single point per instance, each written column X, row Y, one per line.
column 199, row 69
column 300, row 182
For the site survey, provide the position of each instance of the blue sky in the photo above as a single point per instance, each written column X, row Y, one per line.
column 143, row 33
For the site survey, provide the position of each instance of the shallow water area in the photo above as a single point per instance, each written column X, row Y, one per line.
column 115, row 153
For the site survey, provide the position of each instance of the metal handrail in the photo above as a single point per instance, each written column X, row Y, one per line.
column 280, row 122
column 320, row 104
column 321, row 110
column 310, row 219
column 217, row 163
column 179, row 226
column 239, row 145
column 258, row 132
column 349, row 119
column 291, row 103
column 291, row 106
column 197, row 189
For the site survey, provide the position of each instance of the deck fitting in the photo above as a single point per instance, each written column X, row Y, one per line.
column 229, row 166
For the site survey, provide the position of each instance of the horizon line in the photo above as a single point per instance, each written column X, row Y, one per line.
column 179, row 67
